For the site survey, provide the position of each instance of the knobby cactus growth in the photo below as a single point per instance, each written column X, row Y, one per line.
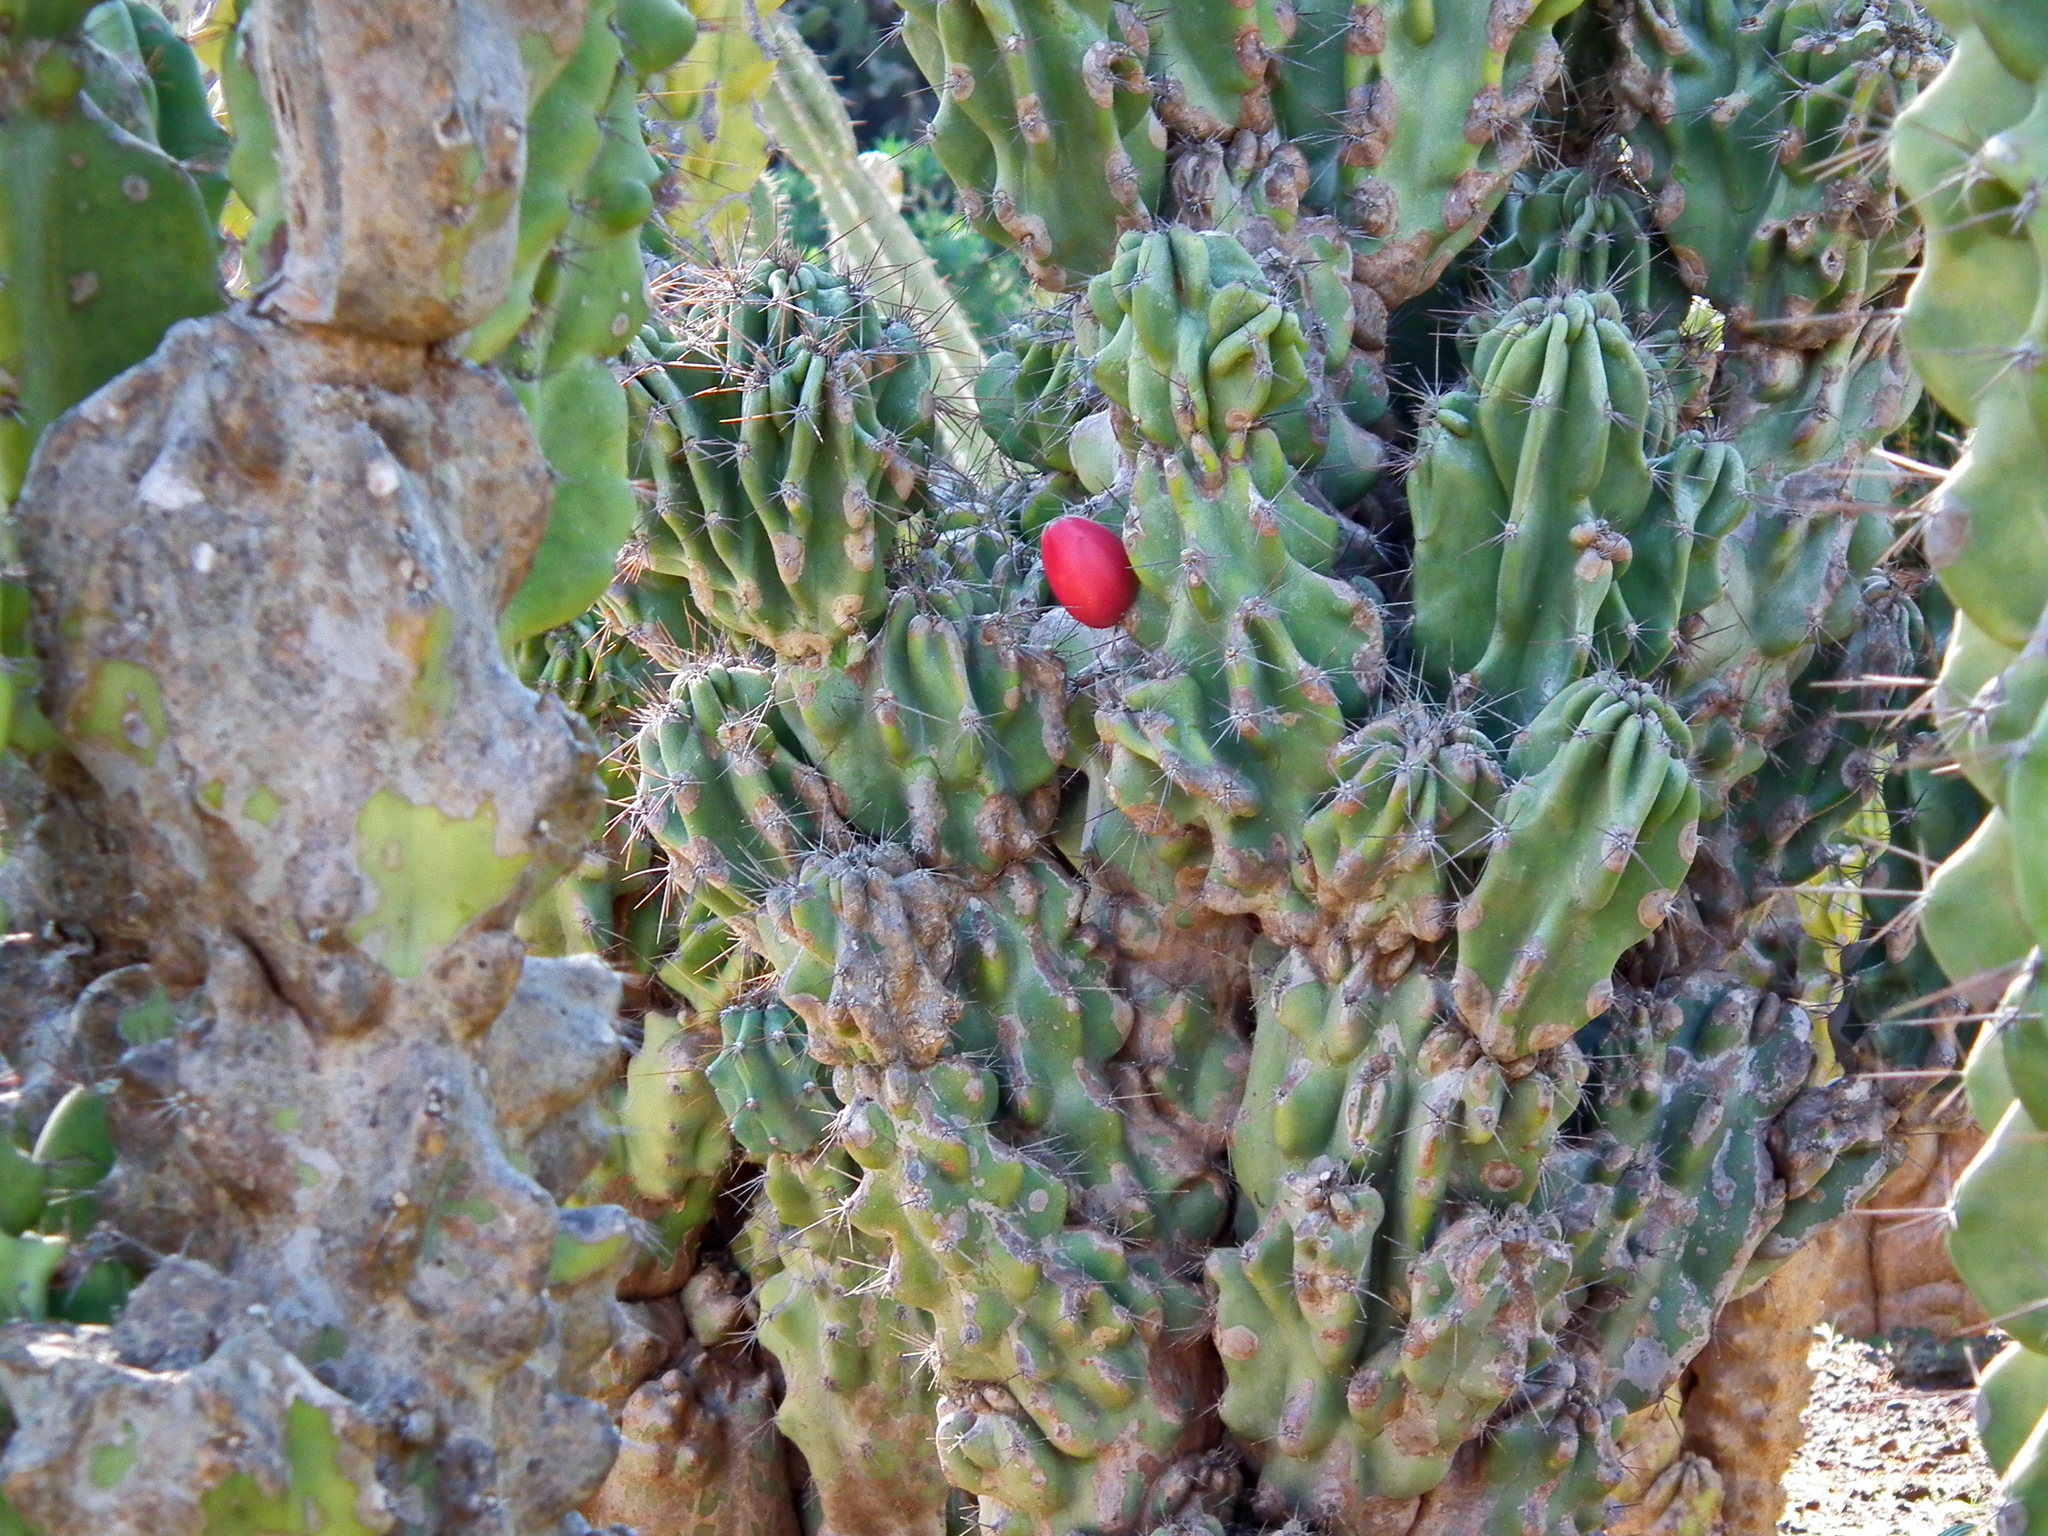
column 1276, row 953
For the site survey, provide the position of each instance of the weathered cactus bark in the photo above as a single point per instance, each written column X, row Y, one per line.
column 300, row 523
column 1749, row 1384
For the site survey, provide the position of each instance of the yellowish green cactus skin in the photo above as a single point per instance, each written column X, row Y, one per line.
column 1970, row 152
column 859, row 1404
column 676, row 1138
column 1044, row 1331
column 578, row 297
column 710, row 100
column 1383, row 1423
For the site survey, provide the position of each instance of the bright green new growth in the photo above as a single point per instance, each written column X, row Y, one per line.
column 676, row 1133
column 707, row 106
column 578, row 297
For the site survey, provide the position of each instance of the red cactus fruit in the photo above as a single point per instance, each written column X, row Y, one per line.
column 1091, row 576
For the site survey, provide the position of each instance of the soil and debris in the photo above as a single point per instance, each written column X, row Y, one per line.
column 1891, row 1446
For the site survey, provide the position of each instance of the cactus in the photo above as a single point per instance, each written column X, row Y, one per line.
column 108, row 236
column 1575, row 229
column 1251, row 655
column 1419, row 117
column 1210, row 975
column 857, row 1404
column 1604, row 767
column 1964, row 153
column 1061, row 198
column 947, row 729
column 1531, row 493
column 709, row 104
column 1417, row 791
column 804, row 406
column 1793, row 244
column 1215, row 735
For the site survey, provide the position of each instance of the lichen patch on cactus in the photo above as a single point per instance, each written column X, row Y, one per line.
column 433, row 873
column 319, row 1496
column 123, row 707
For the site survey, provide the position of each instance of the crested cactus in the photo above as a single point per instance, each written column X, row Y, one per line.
column 1418, row 117
column 946, row 729
column 1211, row 936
